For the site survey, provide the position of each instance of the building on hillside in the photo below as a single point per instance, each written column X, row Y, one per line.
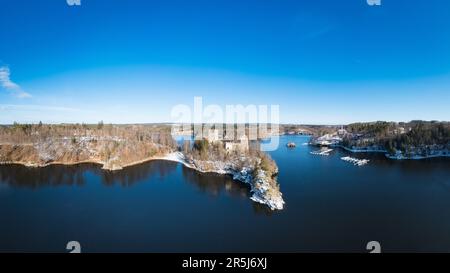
column 327, row 140
column 399, row 131
column 342, row 131
column 240, row 145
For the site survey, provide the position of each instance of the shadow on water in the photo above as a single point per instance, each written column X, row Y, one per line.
column 21, row 176
column 215, row 184
column 80, row 175
column 137, row 173
column 330, row 205
column 77, row 175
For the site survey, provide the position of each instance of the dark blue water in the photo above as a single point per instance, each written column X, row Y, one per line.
column 161, row 206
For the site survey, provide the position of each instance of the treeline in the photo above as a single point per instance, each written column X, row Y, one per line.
column 421, row 134
column 206, row 151
column 256, row 129
column 33, row 133
column 400, row 136
column 379, row 129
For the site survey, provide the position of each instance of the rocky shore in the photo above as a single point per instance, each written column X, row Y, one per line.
column 263, row 186
column 111, row 154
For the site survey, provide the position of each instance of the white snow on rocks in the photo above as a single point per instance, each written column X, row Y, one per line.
column 261, row 189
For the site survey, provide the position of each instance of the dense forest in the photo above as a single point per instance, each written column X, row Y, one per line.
column 421, row 134
column 32, row 133
column 400, row 136
column 114, row 146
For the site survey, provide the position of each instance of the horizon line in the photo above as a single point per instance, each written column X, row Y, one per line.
column 223, row 123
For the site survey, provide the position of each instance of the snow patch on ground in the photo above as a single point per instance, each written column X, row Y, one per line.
column 259, row 184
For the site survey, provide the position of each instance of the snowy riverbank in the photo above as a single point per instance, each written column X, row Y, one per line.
column 260, row 186
column 398, row 155
column 262, row 190
column 416, row 157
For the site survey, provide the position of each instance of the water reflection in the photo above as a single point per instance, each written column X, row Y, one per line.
column 330, row 205
column 21, row 176
column 82, row 174
column 61, row 175
column 137, row 173
column 79, row 175
column 214, row 184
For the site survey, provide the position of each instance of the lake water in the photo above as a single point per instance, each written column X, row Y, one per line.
column 159, row 206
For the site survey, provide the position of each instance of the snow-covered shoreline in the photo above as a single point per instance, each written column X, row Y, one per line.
column 104, row 165
column 259, row 185
column 361, row 150
column 415, row 157
column 394, row 157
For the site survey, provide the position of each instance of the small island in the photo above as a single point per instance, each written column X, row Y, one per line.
column 291, row 145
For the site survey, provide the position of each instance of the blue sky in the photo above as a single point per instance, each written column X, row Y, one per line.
column 322, row 61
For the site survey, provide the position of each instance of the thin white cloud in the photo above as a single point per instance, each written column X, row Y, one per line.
column 5, row 81
column 26, row 107
column 12, row 87
column 31, row 113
